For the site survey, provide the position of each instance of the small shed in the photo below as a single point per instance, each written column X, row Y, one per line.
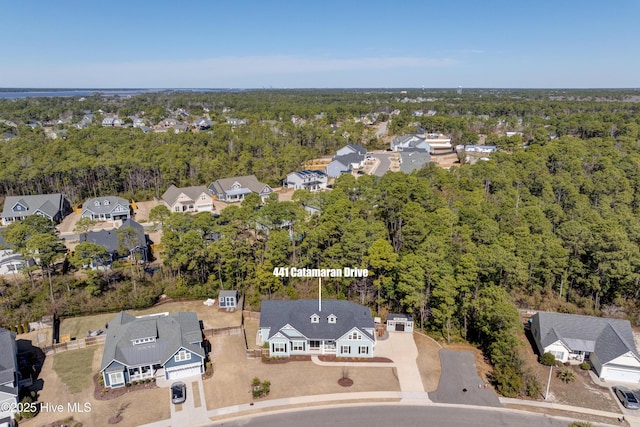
column 400, row 323
column 228, row 300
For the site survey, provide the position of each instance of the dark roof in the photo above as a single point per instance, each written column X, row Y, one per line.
column 350, row 158
column 276, row 314
column 608, row 338
column 250, row 182
column 102, row 207
column 108, row 239
column 171, row 331
column 357, row 148
column 8, row 368
column 49, row 204
column 399, row 317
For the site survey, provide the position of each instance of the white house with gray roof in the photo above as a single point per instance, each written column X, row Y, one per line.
column 107, row 208
column 9, row 377
column 307, row 327
column 312, row 180
column 607, row 343
column 52, row 206
column 156, row 345
column 188, row 199
column 235, row 189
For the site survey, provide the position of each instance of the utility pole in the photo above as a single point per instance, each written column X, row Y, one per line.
column 546, row 395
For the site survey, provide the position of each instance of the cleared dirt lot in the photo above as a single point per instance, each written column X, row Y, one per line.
column 428, row 361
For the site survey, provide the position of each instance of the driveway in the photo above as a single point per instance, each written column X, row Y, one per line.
column 192, row 412
column 460, row 383
column 401, row 348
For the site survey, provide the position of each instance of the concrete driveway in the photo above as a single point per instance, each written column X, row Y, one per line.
column 401, row 348
column 460, row 383
column 192, row 412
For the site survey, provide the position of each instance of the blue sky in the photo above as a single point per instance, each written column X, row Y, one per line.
column 320, row 44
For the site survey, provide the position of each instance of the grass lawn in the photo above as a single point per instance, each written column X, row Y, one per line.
column 74, row 368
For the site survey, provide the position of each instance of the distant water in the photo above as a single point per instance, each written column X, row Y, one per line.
column 36, row 93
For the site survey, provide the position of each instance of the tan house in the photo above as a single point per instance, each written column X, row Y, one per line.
column 188, row 199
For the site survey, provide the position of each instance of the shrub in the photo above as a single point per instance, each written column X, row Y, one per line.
column 548, row 359
column 585, row 366
column 532, row 386
column 567, row 375
column 128, row 384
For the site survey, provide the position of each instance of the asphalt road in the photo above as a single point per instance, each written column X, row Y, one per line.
column 405, row 416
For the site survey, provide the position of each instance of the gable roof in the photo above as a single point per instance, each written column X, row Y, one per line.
column 413, row 159
column 356, row 148
column 171, row 195
column 171, row 332
column 608, row 338
column 348, row 159
column 108, row 239
column 250, row 182
column 49, row 204
column 8, row 368
column 276, row 314
column 102, row 207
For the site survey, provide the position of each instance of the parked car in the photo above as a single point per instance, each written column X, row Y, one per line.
column 178, row 392
column 627, row 397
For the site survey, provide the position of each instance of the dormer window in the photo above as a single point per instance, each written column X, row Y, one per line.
column 106, row 202
column 96, row 203
column 143, row 340
column 315, row 318
column 331, row 318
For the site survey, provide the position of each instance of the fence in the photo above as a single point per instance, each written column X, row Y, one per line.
column 74, row 345
column 253, row 315
column 232, row 330
column 256, row 353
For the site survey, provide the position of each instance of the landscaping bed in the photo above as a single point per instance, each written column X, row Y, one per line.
column 280, row 360
column 101, row 392
column 334, row 358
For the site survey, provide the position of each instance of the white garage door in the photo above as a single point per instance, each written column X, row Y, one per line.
column 185, row 372
column 622, row 375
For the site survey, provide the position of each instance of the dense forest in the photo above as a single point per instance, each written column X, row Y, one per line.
column 552, row 221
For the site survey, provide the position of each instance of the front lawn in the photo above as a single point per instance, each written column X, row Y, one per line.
column 74, row 368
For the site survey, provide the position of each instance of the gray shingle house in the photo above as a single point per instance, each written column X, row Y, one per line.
column 351, row 149
column 157, row 345
column 107, row 208
column 188, row 199
column 110, row 240
column 52, row 206
column 9, row 377
column 235, row 189
column 303, row 327
column 413, row 159
column 607, row 343
column 12, row 262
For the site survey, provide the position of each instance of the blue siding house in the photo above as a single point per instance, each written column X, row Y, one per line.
column 165, row 345
column 305, row 327
column 9, row 377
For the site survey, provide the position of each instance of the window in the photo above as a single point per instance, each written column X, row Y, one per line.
column 106, row 202
column 355, row 336
column 279, row 347
column 332, row 318
column 177, row 208
column 559, row 355
column 363, row 349
column 96, row 203
column 345, row 349
column 314, row 345
column 143, row 340
column 203, row 197
column 116, row 378
column 182, row 356
column 297, row 346
column 315, row 318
